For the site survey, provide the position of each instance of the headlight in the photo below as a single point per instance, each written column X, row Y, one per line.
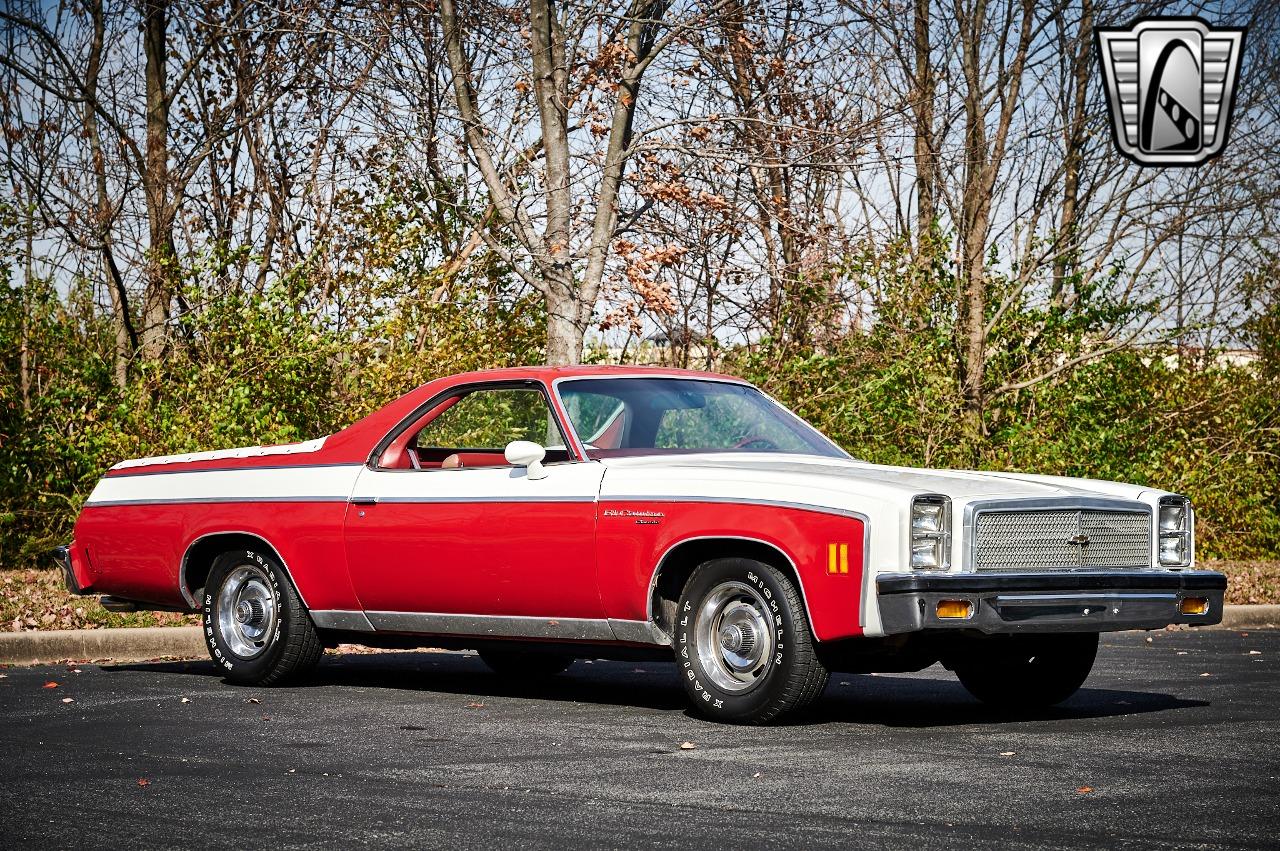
column 1174, row 525
column 930, row 533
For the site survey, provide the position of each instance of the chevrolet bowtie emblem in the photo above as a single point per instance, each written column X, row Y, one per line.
column 1079, row 541
column 1170, row 85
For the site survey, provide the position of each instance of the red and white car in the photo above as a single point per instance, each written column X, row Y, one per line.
column 540, row 515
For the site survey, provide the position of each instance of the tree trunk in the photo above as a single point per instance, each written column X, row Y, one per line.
column 922, row 97
column 565, row 333
column 24, row 350
column 1068, row 243
column 162, row 255
column 126, row 339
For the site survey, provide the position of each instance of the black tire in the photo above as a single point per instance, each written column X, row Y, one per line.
column 274, row 640
column 1028, row 672
column 524, row 665
column 719, row 622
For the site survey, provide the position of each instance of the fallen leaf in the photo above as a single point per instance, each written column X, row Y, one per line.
column 1206, row 675
column 291, row 771
column 1085, row 790
column 186, row 700
column 1008, row 753
column 68, row 700
column 142, row 781
column 50, row 684
column 687, row 746
column 253, row 700
column 475, row 705
column 75, row 670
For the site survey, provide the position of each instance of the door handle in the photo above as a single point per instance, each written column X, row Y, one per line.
column 363, row 500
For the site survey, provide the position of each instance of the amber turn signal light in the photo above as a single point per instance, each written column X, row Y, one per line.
column 955, row 609
column 1193, row 606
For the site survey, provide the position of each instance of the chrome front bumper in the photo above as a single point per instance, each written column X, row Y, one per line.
column 1061, row 601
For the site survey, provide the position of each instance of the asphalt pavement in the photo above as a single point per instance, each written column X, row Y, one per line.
column 1174, row 741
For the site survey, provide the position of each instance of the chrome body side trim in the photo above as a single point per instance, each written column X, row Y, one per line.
column 1067, row 503
column 639, row 632
column 345, row 619
column 497, row 626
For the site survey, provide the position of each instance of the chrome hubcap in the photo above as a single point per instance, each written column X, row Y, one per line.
column 246, row 609
column 734, row 636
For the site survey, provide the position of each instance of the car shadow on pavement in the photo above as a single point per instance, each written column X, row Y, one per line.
column 913, row 701
column 883, row 699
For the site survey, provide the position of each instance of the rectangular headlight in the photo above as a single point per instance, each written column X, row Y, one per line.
column 1174, row 526
column 931, row 533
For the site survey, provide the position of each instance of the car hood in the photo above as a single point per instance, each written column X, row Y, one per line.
column 837, row 476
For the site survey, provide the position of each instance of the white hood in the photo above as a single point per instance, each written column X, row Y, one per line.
column 832, row 481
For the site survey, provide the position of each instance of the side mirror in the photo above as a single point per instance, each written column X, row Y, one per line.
column 527, row 454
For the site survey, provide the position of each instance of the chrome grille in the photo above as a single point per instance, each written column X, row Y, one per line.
column 1062, row 539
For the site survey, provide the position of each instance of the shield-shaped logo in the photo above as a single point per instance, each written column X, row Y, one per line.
column 1170, row 84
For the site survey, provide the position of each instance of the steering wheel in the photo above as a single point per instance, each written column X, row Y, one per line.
column 755, row 441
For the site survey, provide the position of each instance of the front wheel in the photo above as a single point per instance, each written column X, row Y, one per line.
column 1025, row 672
column 743, row 643
column 255, row 625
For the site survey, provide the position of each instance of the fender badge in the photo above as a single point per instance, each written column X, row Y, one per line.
column 1079, row 541
column 647, row 517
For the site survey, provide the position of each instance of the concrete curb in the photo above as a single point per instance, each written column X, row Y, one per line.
column 134, row 645
column 119, row 645
column 1250, row 617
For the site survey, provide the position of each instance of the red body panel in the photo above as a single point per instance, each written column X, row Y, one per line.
column 629, row 552
column 515, row 558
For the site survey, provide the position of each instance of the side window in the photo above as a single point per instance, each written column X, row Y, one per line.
column 490, row 419
column 474, row 432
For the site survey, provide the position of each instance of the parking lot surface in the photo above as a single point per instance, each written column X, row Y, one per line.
column 1173, row 741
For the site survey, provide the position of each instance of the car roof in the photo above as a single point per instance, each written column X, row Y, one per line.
column 553, row 373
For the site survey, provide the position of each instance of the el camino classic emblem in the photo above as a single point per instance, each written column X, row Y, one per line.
column 643, row 518
column 1079, row 541
column 1170, row 84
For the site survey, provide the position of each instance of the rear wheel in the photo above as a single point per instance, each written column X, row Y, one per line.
column 1029, row 671
column 516, row 663
column 255, row 626
column 743, row 643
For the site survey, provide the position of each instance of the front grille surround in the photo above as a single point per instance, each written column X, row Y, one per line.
column 1051, row 535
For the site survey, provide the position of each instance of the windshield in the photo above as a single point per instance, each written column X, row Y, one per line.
column 645, row 416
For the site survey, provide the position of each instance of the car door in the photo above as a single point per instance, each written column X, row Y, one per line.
column 455, row 540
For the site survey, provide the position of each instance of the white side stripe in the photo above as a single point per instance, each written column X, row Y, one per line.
column 295, row 484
